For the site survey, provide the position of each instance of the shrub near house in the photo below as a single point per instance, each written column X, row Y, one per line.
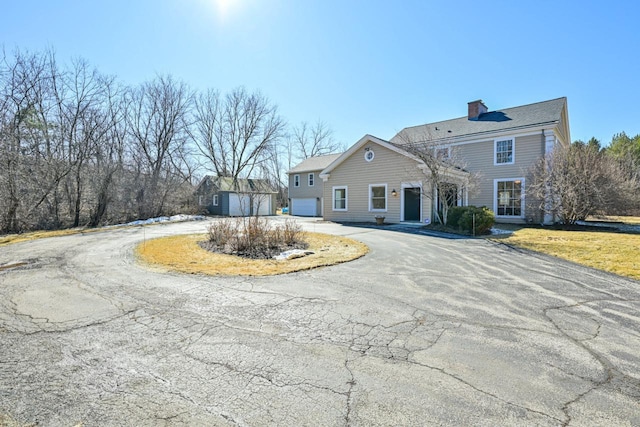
column 471, row 219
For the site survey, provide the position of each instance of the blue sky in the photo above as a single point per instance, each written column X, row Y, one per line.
column 362, row 66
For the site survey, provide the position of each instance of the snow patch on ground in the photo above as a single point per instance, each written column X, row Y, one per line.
column 292, row 254
column 498, row 231
column 160, row 219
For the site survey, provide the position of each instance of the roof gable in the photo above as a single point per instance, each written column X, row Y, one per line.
column 355, row 147
column 314, row 163
column 453, row 172
column 546, row 113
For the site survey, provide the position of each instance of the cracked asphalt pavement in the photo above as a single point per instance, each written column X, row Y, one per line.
column 421, row 331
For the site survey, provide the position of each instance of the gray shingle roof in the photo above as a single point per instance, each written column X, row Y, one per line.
column 243, row 185
column 314, row 163
column 522, row 117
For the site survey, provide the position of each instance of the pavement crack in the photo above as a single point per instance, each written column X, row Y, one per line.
column 479, row 390
column 603, row 361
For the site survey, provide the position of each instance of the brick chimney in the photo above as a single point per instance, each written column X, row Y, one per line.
column 476, row 108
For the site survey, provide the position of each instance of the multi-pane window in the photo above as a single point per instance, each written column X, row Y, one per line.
column 378, row 197
column 509, row 198
column 504, row 151
column 443, row 153
column 339, row 198
column 296, row 180
column 311, row 179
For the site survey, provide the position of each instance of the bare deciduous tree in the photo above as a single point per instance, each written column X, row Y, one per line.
column 236, row 132
column 158, row 124
column 575, row 181
column 76, row 147
column 32, row 151
column 313, row 140
column 443, row 168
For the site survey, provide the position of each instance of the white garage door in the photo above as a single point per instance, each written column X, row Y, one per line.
column 261, row 204
column 303, row 207
column 239, row 204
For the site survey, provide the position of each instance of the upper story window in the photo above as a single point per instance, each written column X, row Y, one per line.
column 504, row 151
column 369, row 154
column 311, row 179
column 296, row 180
column 339, row 198
column 443, row 153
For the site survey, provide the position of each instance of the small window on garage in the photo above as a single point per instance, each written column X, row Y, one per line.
column 311, row 179
column 296, row 180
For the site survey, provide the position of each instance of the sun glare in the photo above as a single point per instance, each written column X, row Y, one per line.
column 224, row 8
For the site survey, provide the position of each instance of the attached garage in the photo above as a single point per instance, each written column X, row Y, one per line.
column 304, row 207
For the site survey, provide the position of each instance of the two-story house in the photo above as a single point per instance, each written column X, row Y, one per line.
column 305, row 186
column 378, row 177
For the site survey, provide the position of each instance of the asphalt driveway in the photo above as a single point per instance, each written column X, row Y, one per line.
column 421, row 331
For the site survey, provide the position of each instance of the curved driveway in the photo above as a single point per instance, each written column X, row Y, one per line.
column 421, row 331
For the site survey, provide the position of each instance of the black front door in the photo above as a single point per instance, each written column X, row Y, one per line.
column 412, row 204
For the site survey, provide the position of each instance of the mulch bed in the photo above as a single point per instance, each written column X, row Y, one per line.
column 254, row 253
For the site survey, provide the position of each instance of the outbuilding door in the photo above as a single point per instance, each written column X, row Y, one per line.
column 261, row 204
column 239, row 204
column 412, row 204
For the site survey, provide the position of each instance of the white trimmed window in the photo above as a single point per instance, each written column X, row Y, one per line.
column 377, row 197
column 311, row 179
column 340, row 198
column 443, row 153
column 509, row 197
column 200, row 200
column 296, row 180
column 504, row 151
column 215, row 200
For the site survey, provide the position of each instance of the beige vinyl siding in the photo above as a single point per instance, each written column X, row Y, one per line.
column 479, row 158
column 305, row 191
column 387, row 167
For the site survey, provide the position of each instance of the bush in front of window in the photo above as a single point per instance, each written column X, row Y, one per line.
column 465, row 217
column 454, row 215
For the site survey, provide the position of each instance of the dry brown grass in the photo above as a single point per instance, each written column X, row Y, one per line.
column 617, row 253
column 183, row 254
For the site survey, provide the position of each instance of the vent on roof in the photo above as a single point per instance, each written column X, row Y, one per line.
column 476, row 108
